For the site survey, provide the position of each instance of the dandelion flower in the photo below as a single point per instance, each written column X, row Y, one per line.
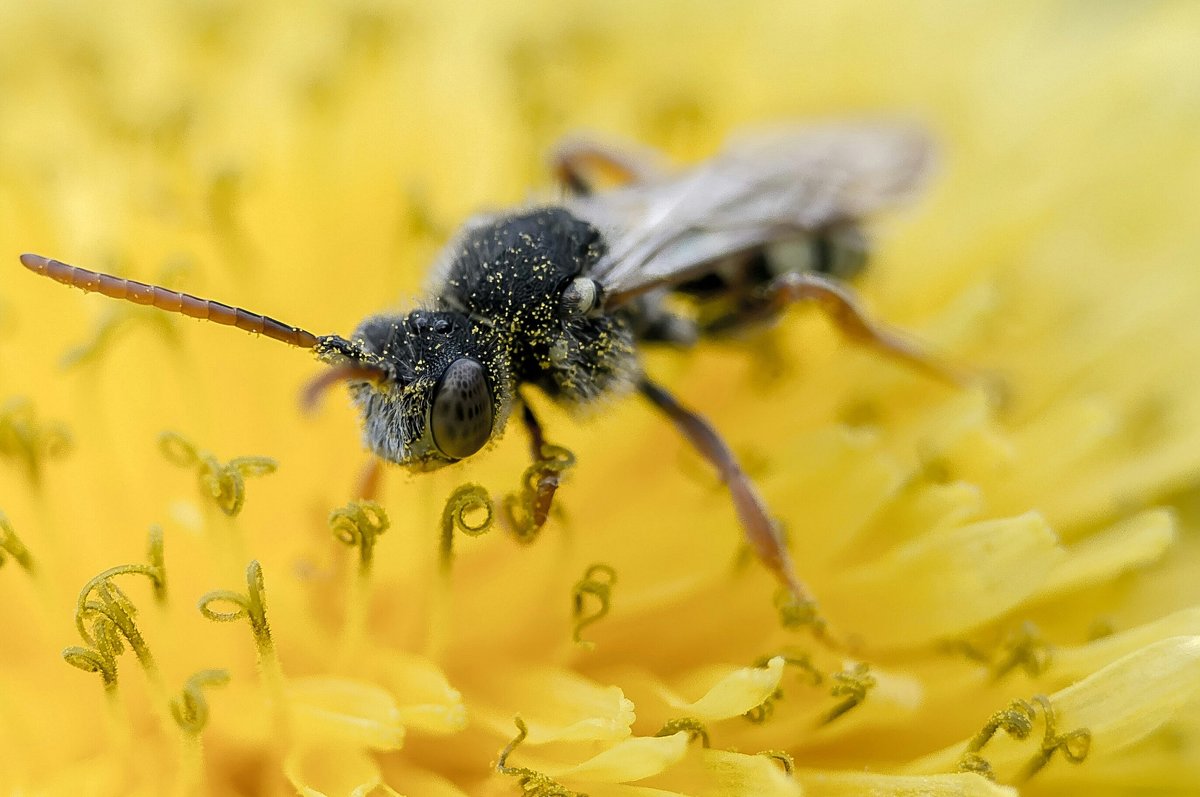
column 194, row 602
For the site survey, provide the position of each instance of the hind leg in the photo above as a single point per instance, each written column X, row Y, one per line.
column 582, row 164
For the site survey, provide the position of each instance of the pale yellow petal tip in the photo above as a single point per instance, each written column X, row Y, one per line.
column 738, row 692
column 334, row 771
column 628, row 760
column 345, row 711
column 427, row 700
column 557, row 706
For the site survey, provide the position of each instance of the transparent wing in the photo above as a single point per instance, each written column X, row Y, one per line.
column 768, row 187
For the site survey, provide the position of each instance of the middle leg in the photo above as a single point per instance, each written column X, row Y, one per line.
column 762, row 532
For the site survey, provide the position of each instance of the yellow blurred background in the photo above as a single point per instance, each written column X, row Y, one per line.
column 306, row 161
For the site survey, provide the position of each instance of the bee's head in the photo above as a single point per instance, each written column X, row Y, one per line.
column 447, row 393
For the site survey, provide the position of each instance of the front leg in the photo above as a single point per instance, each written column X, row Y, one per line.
column 528, row 510
column 763, row 533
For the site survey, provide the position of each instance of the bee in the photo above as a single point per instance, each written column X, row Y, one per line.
column 562, row 297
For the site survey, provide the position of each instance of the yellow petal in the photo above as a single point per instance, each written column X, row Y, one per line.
column 863, row 784
column 1074, row 663
column 346, row 712
column 1135, row 542
column 426, row 700
column 556, row 706
column 735, row 694
column 721, row 773
column 844, row 483
column 334, row 771
column 1119, row 705
column 632, row 759
column 945, row 582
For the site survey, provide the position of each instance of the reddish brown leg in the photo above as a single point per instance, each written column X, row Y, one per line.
column 369, row 478
column 545, row 468
column 578, row 163
column 762, row 532
column 843, row 309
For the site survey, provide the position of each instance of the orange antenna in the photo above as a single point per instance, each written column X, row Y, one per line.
column 171, row 301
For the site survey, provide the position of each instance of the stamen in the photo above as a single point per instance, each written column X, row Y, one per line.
column 252, row 606
column 800, row 660
column 91, row 660
column 225, row 484
column 1025, row 648
column 764, row 710
column 28, row 441
column 1074, row 745
column 467, row 498
column 190, row 709
column 695, row 729
column 795, row 614
column 597, row 581
column 105, row 605
column 853, row 685
column 11, row 544
column 360, row 523
column 532, row 782
column 789, row 763
column 1017, row 721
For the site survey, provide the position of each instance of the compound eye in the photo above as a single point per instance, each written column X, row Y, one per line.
column 461, row 416
column 581, row 296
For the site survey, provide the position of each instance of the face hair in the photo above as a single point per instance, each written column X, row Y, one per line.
column 171, row 301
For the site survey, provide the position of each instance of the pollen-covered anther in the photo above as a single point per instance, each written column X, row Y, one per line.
column 28, row 440
column 190, row 709
column 1023, row 647
column 1026, row 648
column 695, row 729
column 801, row 661
column 104, row 617
column 783, row 757
column 764, row 710
column 1074, row 745
column 1016, row 721
column 795, row 614
column 598, row 582
column 531, row 782
column 252, row 606
column 359, row 524
column 466, row 501
column 224, row 484
column 11, row 544
column 852, row 686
